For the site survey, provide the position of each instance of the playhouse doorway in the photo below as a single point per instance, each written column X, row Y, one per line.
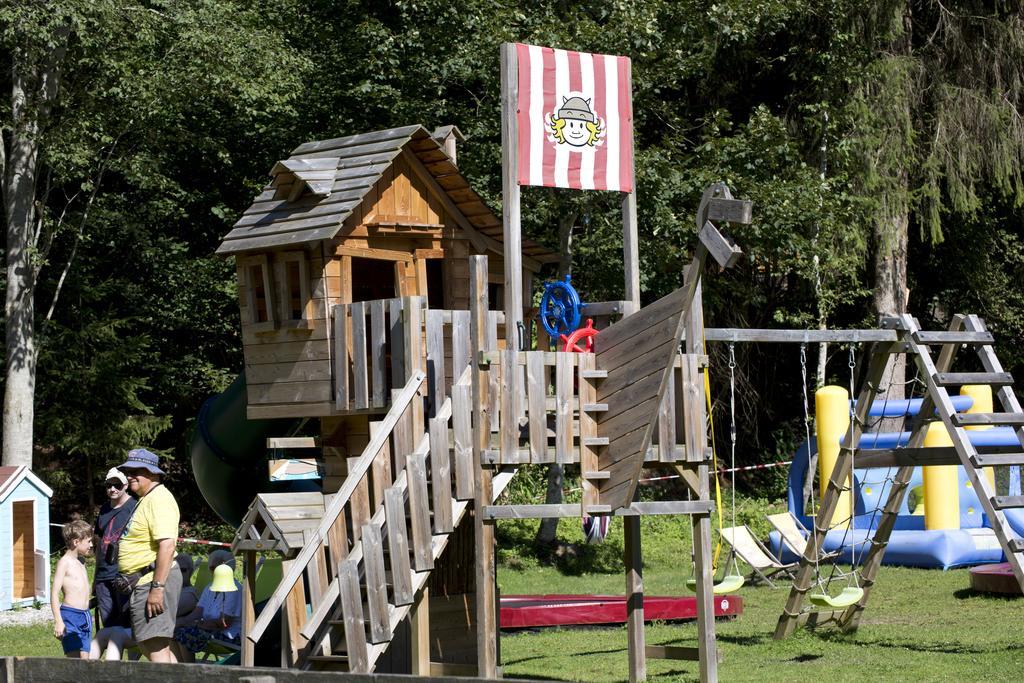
column 23, row 527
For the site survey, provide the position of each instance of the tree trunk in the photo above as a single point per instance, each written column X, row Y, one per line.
column 556, row 473
column 33, row 90
column 891, row 232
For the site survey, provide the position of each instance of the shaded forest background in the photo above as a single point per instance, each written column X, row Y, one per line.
column 848, row 126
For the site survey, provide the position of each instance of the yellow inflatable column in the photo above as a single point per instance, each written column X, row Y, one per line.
column 982, row 395
column 941, row 494
column 832, row 414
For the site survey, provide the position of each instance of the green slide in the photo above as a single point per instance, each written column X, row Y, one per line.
column 228, row 451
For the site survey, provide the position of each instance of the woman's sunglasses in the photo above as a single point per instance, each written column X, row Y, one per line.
column 115, row 485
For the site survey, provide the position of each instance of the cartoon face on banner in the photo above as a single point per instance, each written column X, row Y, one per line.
column 574, row 117
column 575, row 124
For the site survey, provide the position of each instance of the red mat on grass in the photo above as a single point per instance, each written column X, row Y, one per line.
column 527, row 611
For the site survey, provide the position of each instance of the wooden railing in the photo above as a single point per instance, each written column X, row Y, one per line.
column 376, row 347
column 412, row 501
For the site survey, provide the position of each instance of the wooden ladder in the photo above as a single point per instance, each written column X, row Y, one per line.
column 964, row 331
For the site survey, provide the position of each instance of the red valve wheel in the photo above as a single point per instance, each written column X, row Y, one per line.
column 585, row 334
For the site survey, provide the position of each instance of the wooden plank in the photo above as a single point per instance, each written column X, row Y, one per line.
column 995, row 379
column 730, row 210
column 360, row 378
column 419, row 512
column 693, row 407
column 440, row 476
column 725, row 252
column 494, row 394
column 352, row 611
column 648, row 317
column 286, row 352
column 403, row 438
column 398, row 546
column 667, row 425
column 462, row 407
column 377, row 351
column 290, row 392
column 380, row 471
column 460, row 342
column 341, row 357
column 509, row 423
column 396, row 337
column 359, row 504
column 298, row 371
column 537, row 387
column 248, row 606
column 435, row 360
column 974, row 419
column 376, row 584
column 565, row 406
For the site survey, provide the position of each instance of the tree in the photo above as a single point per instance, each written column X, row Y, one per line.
column 102, row 92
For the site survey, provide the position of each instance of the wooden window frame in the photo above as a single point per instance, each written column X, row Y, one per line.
column 249, row 264
column 284, row 295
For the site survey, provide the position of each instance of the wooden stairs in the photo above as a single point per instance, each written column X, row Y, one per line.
column 359, row 571
column 967, row 332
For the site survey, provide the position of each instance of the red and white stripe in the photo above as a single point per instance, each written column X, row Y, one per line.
column 546, row 76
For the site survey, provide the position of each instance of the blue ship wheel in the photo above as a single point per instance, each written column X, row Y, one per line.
column 560, row 308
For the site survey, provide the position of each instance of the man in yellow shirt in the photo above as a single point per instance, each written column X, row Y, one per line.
column 147, row 554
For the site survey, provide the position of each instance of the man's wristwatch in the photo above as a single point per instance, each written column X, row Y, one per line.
column 157, row 584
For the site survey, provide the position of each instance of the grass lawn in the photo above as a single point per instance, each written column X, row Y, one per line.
column 920, row 625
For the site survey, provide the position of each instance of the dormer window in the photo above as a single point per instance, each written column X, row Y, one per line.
column 295, row 178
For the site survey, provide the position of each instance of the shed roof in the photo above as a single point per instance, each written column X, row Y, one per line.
column 10, row 477
column 278, row 521
column 338, row 173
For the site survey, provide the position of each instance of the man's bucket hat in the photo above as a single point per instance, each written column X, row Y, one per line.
column 140, row 458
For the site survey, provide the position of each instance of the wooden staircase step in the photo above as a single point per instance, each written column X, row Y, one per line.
column 330, row 662
column 953, row 337
column 995, row 379
column 1007, row 502
column 594, row 374
column 997, row 459
column 975, row 419
column 595, row 440
column 593, row 476
column 595, row 407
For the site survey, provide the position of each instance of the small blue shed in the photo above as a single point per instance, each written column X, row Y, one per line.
column 24, row 538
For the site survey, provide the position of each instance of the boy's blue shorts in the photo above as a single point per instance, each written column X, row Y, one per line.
column 77, row 629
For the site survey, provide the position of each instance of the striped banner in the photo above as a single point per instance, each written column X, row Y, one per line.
column 575, row 115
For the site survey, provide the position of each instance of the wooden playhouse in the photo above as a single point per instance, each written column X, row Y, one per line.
column 381, row 216
column 24, row 538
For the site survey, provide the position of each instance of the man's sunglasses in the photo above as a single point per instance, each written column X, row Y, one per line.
column 115, row 485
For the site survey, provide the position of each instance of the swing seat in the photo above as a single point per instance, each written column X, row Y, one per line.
column 851, row 595
column 729, row 584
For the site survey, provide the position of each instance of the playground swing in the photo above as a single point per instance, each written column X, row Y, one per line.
column 852, row 593
column 733, row 579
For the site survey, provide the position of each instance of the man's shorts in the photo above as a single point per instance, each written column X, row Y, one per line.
column 77, row 629
column 162, row 625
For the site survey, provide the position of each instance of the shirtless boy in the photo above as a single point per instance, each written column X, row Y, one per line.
column 72, row 622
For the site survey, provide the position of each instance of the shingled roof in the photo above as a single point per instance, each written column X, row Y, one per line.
column 313, row 191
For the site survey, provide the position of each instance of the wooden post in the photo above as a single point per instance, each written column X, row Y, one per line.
column 248, row 607
column 419, row 637
column 635, row 600
column 701, row 524
column 486, row 596
column 510, row 199
column 630, row 253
